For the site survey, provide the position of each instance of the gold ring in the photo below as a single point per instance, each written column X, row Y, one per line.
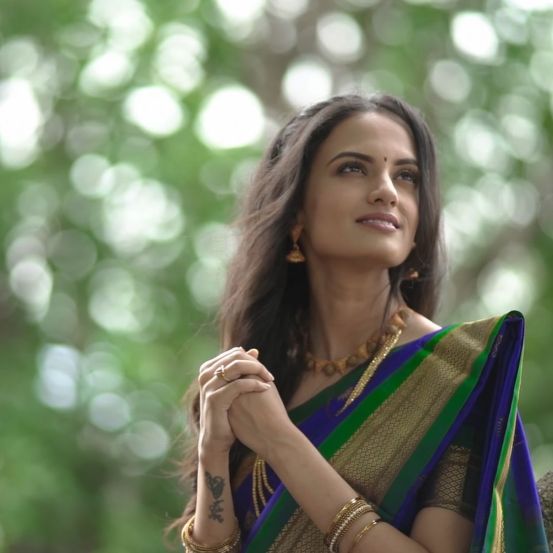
column 220, row 372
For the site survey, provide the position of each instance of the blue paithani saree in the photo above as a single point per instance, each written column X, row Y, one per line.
column 437, row 425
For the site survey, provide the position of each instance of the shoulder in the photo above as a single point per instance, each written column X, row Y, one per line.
column 417, row 325
column 478, row 333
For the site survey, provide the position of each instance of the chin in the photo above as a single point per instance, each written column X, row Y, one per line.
column 385, row 258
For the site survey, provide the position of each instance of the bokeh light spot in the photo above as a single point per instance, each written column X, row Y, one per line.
column 530, row 5
column 511, row 25
column 138, row 212
column 109, row 411
column 232, row 117
column 306, row 81
column 118, row 303
column 478, row 142
column 509, row 283
column 126, row 20
column 450, row 80
column 58, row 374
column 206, row 278
column 179, row 57
column 540, row 69
column 147, row 440
column 19, row 57
column 86, row 173
column 20, row 122
column 106, row 71
column 155, row 109
column 102, row 371
column 239, row 12
column 340, row 37
column 287, row 9
column 31, row 281
column 215, row 241
column 474, row 35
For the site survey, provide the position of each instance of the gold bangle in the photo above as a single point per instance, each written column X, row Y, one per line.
column 367, row 528
column 228, row 546
column 344, row 512
column 346, row 507
column 342, row 529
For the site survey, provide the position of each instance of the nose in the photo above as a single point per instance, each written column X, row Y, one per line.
column 383, row 190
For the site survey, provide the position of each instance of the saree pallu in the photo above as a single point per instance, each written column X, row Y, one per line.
column 451, row 393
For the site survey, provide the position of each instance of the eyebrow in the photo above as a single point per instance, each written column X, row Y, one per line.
column 370, row 159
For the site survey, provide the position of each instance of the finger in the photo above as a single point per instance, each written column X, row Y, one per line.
column 235, row 371
column 223, row 397
column 225, row 361
column 210, row 362
column 243, row 367
column 208, row 369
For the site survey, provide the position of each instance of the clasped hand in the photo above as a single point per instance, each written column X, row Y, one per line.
column 244, row 405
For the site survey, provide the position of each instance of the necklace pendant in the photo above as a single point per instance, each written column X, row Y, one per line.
column 354, row 360
column 329, row 369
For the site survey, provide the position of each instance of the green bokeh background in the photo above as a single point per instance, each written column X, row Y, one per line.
column 114, row 218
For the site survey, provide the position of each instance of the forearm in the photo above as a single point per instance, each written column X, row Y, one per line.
column 215, row 519
column 321, row 492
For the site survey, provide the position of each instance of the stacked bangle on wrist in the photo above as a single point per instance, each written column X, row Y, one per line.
column 230, row 545
column 367, row 528
column 350, row 512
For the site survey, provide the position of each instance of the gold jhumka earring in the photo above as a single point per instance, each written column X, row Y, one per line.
column 295, row 255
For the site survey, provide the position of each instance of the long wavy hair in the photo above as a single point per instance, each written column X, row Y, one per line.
column 266, row 300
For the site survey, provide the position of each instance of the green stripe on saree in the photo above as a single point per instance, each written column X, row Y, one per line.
column 495, row 533
column 467, row 361
column 416, row 405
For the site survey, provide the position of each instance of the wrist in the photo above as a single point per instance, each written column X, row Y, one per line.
column 209, row 455
column 283, row 447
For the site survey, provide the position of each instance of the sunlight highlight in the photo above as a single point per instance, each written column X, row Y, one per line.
column 231, row 117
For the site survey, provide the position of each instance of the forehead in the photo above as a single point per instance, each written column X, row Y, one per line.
column 372, row 133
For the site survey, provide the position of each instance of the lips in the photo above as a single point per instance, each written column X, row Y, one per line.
column 388, row 218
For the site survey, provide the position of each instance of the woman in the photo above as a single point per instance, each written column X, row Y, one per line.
column 309, row 442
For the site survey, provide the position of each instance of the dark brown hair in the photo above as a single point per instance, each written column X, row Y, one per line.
column 265, row 302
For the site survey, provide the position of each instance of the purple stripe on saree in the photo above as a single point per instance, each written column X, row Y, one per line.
column 521, row 465
column 501, row 401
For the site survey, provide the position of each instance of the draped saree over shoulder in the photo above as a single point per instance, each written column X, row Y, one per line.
column 457, row 386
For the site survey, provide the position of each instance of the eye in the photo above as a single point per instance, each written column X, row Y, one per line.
column 352, row 167
column 408, row 175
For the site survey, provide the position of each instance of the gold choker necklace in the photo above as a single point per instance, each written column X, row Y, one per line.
column 364, row 351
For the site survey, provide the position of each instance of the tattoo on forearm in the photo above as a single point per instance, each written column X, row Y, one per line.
column 215, row 485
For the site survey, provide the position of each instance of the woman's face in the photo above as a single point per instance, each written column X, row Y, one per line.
column 361, row 200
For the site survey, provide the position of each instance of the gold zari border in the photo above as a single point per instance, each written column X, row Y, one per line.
column 375, row 454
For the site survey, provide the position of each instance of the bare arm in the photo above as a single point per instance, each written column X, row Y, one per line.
column 303, row 479
column 215, row 519
column 321, row 491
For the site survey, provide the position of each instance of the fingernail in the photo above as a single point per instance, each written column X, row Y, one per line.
column 271, row 376
column 254, row 351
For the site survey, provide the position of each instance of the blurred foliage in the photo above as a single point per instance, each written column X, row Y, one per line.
column 127, row 130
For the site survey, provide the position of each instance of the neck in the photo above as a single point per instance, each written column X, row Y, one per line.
column 346, row 308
